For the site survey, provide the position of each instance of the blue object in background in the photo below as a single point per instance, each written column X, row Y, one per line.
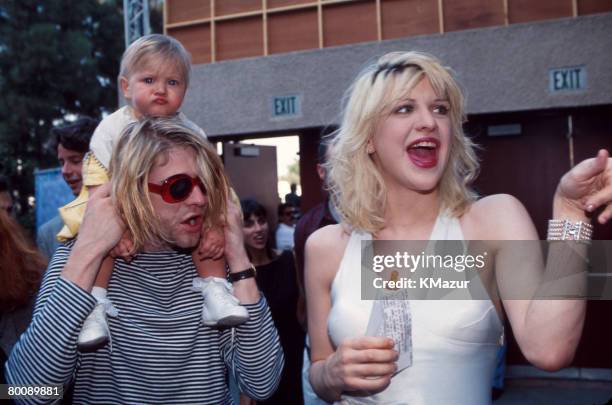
column 51, row 192
column 500, row 368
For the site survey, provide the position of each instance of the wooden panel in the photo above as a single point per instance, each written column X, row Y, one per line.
column 285, row 3
column 187, row 10
column 594, row 6
column 293, row 31
column 528, row 10
column 403, row 18
column 466, row 14
column 591, row 133
column 225, row 7
column 349, row 23
column 259, row 184
column 507, row 168
column 239, row 38
column 196, row 39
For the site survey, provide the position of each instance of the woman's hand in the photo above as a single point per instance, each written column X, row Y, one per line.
column 586, row 187
column 364, row 364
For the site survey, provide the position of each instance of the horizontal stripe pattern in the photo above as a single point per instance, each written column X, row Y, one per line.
column 160, row 352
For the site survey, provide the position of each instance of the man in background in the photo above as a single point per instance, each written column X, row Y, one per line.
column 287, row 216
column 320, row 215
column 71, row 143
column 317, row 217
column 292, row 198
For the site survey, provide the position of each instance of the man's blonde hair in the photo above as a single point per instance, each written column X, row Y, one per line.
column 143, row 145
column 356, row 186
column 166, row 48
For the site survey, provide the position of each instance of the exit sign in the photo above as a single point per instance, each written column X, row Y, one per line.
column 286, row 106
column 567, row 79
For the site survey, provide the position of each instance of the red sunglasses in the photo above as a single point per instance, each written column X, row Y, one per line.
column 176, row 188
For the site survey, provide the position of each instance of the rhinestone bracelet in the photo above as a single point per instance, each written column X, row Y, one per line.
column 564, row 229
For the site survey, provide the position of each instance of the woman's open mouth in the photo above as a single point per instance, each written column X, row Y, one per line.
column 423, row 152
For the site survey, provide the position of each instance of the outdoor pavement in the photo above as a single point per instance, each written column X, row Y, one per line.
column 536, row 391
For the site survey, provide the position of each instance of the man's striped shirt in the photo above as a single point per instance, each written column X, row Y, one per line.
column 160, row 352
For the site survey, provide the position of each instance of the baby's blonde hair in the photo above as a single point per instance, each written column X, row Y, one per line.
column 143, row 145
column 155, row 45
column 356, row 186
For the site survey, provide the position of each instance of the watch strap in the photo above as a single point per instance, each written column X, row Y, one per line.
column 241, row 275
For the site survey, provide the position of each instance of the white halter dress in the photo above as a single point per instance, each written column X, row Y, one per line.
column 455, row 342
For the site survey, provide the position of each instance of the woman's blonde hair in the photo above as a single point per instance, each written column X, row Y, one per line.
column 168, row 49
column 145, row 144
column 356, row 186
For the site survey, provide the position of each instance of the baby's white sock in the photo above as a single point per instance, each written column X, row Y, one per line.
column 98, row 292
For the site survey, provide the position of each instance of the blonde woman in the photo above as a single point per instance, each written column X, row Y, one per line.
column 400, row 170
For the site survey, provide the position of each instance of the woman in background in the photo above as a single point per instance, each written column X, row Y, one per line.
column 277, row 279
column 21, row 269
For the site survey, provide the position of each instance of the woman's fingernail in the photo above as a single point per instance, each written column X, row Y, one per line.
column 590, row 208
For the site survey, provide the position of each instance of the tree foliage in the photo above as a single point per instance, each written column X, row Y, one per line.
column 57, row 58
column 293, row 172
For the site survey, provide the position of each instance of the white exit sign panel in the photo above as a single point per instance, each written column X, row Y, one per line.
column 567, row 79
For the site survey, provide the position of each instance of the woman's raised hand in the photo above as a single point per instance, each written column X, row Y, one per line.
column 587, row 187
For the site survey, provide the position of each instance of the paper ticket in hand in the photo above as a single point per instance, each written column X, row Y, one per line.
column 391, row 318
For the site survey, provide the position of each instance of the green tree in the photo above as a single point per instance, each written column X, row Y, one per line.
column 57, row 58
column 156, row 16
column 293, row 172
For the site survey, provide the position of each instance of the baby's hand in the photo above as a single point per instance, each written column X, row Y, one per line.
column 125, row 247
column 212, row 243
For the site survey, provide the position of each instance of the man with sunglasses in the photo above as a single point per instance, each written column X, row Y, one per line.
column 287, row 216
column 167, row 182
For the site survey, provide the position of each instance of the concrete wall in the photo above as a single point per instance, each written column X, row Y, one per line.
column 504, row 69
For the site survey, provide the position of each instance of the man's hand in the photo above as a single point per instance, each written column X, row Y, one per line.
column 235, row 254
column 236, row 257
column 99, row 233
column 125, row 247
column 101, row 225
column 211, row 244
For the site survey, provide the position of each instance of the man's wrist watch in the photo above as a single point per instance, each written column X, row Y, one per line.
column 241, row 275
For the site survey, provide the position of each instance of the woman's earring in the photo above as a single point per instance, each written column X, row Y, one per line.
column 370, row 148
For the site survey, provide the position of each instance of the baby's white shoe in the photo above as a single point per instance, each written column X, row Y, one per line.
column 95, row 333
column 220, row 306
